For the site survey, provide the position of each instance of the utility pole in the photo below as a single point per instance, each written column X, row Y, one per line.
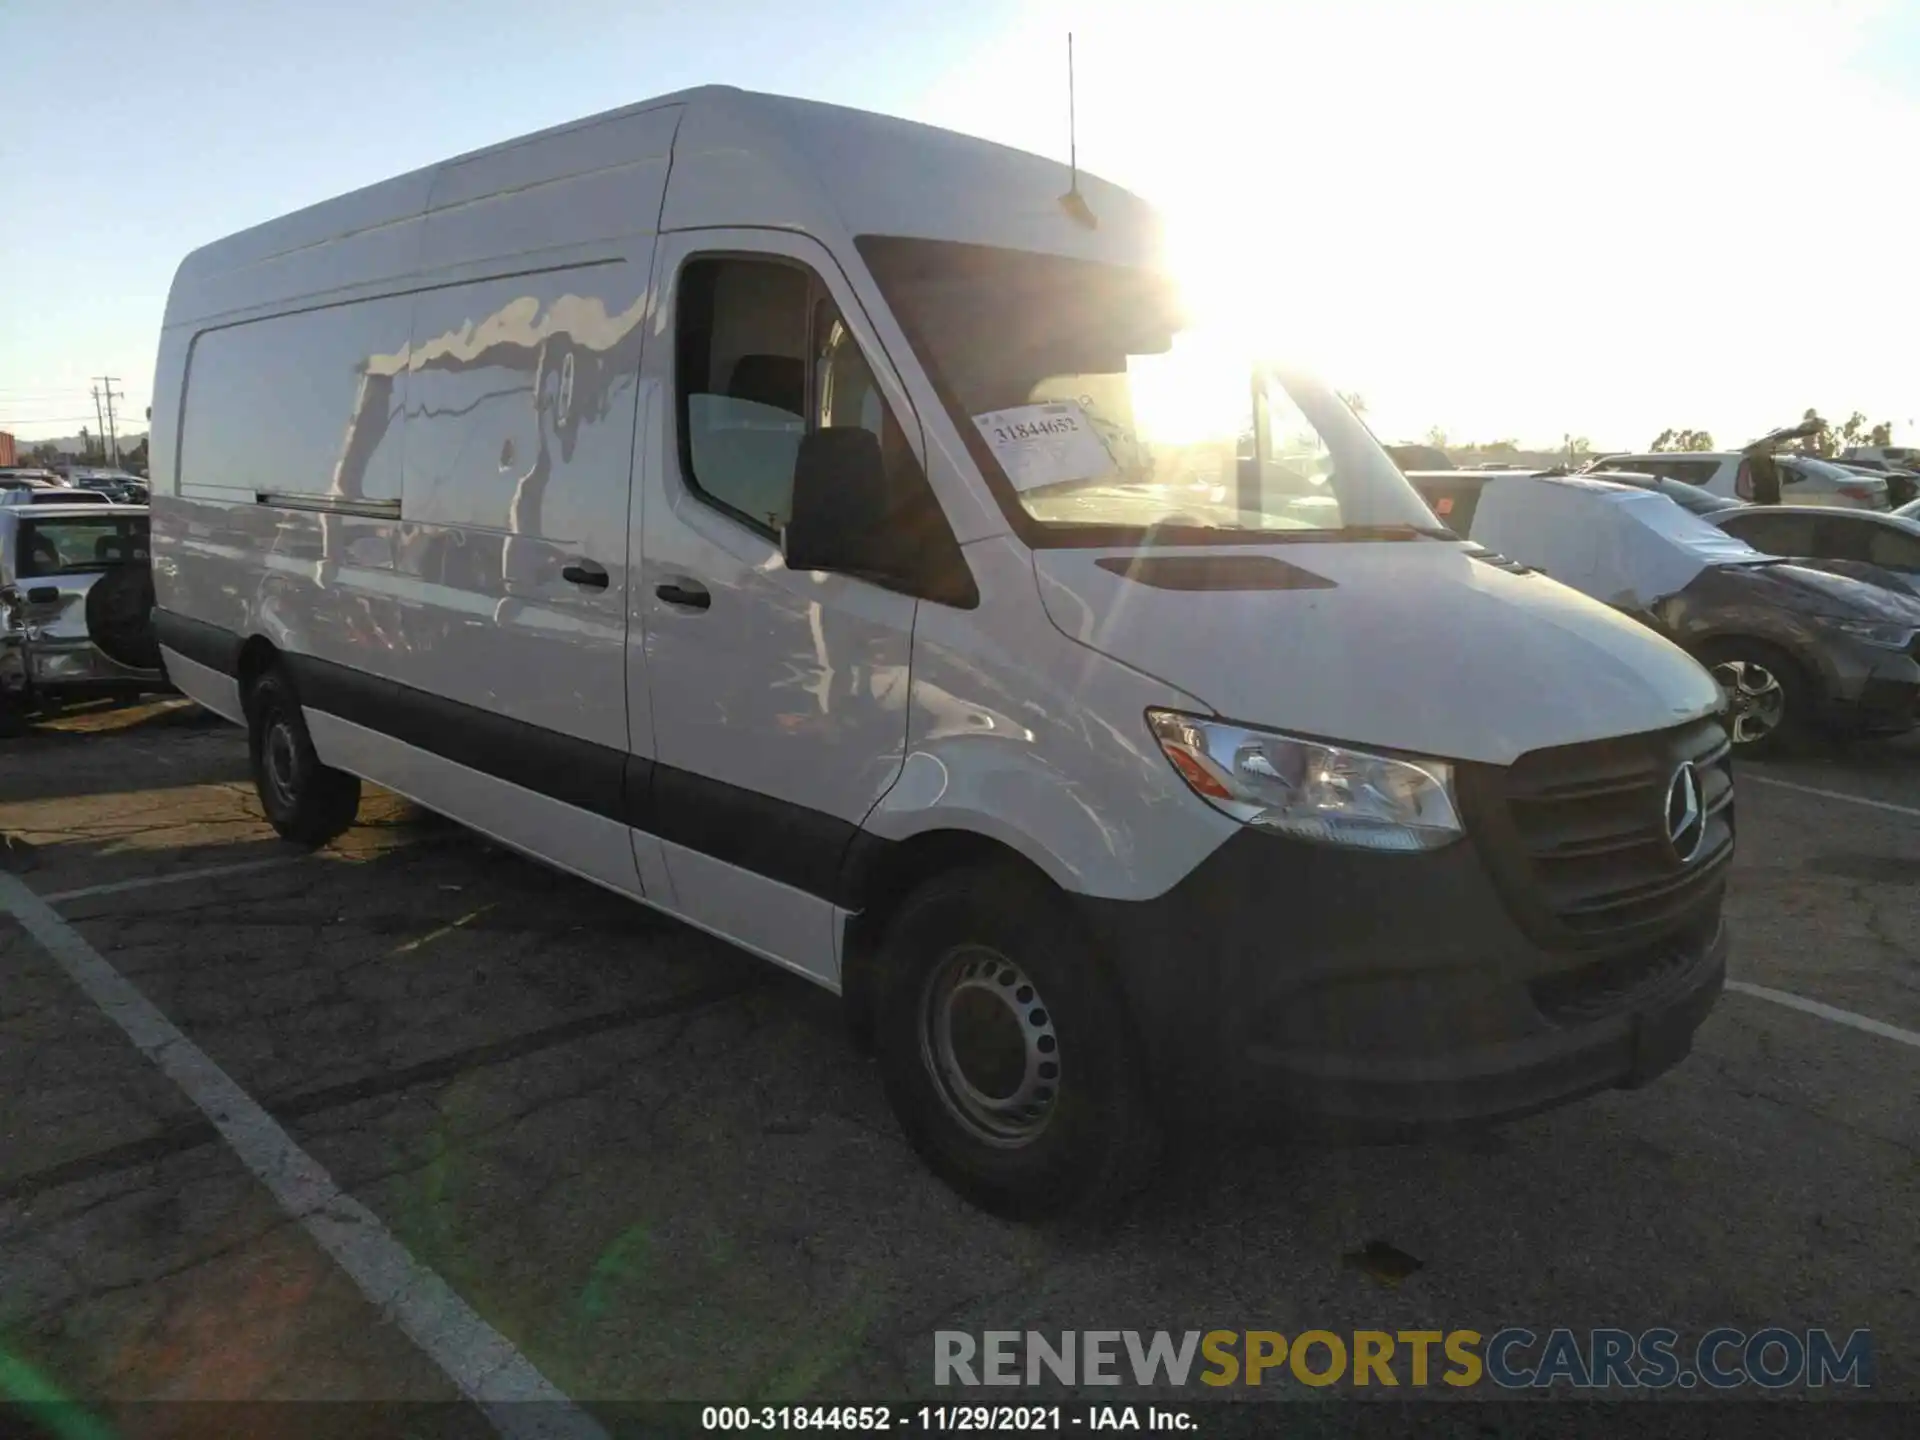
column 113, row 439
column 100, row 427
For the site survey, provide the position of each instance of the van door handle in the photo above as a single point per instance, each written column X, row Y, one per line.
column 585, row 572
column 688, row 593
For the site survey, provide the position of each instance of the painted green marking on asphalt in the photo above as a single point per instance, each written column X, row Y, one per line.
column 619, row 1263
column 55, row 1410
column 814, row 1357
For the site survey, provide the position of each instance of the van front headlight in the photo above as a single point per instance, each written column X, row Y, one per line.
column 1333, row 794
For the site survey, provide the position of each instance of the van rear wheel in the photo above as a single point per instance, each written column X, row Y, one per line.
column 1007, row 1053
column 306, row 801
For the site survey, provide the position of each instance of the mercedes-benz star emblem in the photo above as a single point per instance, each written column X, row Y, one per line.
column 1686, row 817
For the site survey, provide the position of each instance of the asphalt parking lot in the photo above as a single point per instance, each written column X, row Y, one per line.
column 656, row 1168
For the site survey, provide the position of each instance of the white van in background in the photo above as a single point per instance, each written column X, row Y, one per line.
column 805, row 523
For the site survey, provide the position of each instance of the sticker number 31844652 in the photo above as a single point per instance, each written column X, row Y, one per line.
column 1045, row 444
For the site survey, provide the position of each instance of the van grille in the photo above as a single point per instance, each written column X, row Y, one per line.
column 1577, row 835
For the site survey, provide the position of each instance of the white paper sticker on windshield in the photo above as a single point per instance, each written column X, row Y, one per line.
column 1044, row 444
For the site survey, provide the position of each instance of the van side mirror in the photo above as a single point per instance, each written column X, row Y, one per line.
column 838, row 519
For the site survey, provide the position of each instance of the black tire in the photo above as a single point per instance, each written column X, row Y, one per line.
column 120, row 617
column 306, row 801
column 1736, row 659
column 1000, row 957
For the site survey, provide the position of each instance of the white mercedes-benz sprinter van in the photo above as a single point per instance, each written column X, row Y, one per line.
column 828, row 530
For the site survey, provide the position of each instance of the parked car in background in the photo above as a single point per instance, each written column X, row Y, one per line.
column 1803, row 479
column 1453, row 493
column 1903, row 486
column 1690, row 498
column 1879, row 549
column 27, row 475
column 116, row 485
column 76, row 605
column 1892, row 457
column 1420, row 457
column 50, row 495
column 1798, row 652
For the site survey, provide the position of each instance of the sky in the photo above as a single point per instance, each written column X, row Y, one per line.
column 1504, row 220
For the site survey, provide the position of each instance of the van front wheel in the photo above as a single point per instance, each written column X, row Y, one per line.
column 1007, row 1053
column 306, row 801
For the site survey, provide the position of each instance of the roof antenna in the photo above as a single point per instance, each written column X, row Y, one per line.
column 1073, row 202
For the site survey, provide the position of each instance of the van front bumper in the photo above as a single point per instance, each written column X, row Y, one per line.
column 1285, row 985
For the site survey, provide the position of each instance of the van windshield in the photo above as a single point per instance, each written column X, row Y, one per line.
column 1095, row 408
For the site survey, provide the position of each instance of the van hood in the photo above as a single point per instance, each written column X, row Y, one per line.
column 1421, row 645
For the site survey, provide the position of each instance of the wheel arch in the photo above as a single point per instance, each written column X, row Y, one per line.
column 881, row 874
column 257, row 655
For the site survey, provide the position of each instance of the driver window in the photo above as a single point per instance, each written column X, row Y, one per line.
column 741, row 367
column 1295, row 463
column 845, row 391
column 762, row 356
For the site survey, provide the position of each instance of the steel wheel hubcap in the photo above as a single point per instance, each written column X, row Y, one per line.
column 281, row 762
column 988, row 1042
column 1756, row 703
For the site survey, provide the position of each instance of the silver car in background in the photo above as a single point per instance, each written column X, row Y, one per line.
column 1804, row 479
column 76, row 605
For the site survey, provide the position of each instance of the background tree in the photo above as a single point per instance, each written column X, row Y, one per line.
column 1577, row 447
column 44, row 453
column 1356, row 402
column 1682, row 440
column 1436, row 437
column 1821, row 441
column 135, row 460
column 1850, row 432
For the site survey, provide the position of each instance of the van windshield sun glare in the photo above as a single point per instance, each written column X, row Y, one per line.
column 1092, row 404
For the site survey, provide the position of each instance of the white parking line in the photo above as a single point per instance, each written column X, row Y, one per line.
column 205, row 872
column 476, row 1357
column 1828, row 1012
column 1749, row 778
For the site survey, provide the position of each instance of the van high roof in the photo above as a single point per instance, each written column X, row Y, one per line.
column 738, row 158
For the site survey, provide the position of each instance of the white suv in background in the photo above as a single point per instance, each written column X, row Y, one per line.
column 1804, row 479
